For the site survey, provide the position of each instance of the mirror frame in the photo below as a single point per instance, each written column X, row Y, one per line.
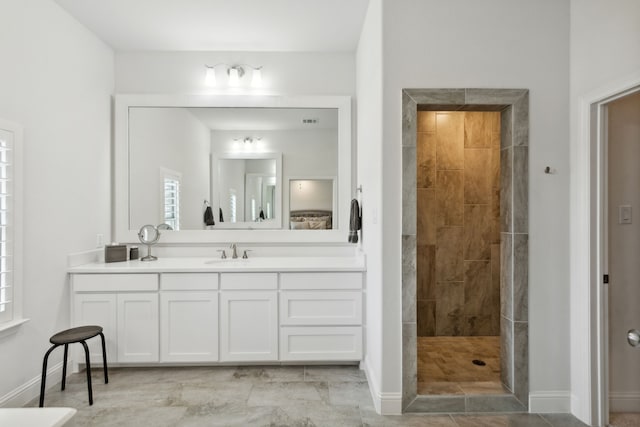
column 120, row 165
column 215, row 195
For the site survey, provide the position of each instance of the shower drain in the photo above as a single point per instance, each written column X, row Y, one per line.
column 478, row 362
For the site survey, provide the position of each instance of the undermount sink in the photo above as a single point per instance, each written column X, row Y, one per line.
column 227, row 261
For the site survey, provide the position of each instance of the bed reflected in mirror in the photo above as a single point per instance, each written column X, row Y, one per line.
column 311, row 204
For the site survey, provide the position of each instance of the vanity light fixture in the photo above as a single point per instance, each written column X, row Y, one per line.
column 235, row 73
column 210, row 77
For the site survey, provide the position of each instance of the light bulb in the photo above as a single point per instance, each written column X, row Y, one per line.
column 234, row 77
column 210, row 78
column 256, row 78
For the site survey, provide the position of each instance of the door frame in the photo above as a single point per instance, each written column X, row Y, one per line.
column 513, row 105
column 588, row 252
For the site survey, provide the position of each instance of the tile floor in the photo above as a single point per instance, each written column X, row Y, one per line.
column 624, row 420
column 445, row 366
column 331, row 396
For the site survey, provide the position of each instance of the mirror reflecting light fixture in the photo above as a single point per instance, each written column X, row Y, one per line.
column 210, row 77
column 235, row 73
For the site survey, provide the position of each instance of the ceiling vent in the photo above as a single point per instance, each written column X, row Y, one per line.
column 310, row 121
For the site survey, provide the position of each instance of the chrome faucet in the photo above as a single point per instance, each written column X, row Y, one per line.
column 234, row 248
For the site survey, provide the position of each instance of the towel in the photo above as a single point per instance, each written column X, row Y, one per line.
column 208, row 216
column 220, row 214
column 355, row 221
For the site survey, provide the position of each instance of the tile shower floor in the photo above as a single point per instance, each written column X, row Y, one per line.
column 445, row 365
column 296, row 396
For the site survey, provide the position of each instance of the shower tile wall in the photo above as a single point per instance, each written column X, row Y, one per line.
column 458, row 235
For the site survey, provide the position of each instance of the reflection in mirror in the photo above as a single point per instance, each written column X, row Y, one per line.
column 247, row 190
column 312, row 203
column 173, row 155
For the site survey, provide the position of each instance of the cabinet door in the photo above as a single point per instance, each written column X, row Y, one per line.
column 248, row 326
column 189, row 326
column 137, row 327
column 100, row 310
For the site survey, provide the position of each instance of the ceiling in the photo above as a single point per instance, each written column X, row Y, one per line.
column 223, row 25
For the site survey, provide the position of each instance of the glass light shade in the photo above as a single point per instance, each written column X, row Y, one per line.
column 210, row 77
column 234, row 77
column 256, row 78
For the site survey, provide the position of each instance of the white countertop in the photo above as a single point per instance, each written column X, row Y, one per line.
column 32, row 417
column 215, row 264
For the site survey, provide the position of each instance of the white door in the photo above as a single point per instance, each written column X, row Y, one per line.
column 248, row 326
column 100, row 310
column 189, row 326
column 623, row 193
column 137, row 327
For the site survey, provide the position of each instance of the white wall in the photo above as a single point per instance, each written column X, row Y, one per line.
column 175, row 140
column 282, row 73
column 311, row 194
column 488, row 44
column 56, row 80
column 369, row 161
column 605, row 41
column 624, row 247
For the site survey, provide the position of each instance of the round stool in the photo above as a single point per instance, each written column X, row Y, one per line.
column 70, row 336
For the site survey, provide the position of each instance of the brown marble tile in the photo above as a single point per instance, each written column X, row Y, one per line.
column 477, row 232
column 426, row 216
column 495, row 167
column 477, row 288
column 449, row 309
column 426, row 318
column 426, row 160
column 450, row 140
column 426, row 121
column 478, row 176
column 478, row 325
column 439, row 387
column 478, row 129
column 426, row 272
column 449, row 254
column 449, row 198
column 494, row 120
column 495, row 139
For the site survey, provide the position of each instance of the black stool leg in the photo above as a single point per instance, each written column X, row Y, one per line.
column 86, row 354
column 104, row 359
column 44, row 374
column 64, row 366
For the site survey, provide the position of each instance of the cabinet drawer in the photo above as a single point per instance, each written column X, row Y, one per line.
column 115, row 282
column 345, row 280
column 321, row 308
column 249, row 280
column 188, row 281
column 320, row 343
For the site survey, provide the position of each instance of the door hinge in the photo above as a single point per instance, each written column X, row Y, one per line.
column 605, row 278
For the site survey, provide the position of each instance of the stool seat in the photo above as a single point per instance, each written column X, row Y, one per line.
column 78, row 334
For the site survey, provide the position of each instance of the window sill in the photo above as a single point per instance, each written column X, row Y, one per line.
column 10, row 328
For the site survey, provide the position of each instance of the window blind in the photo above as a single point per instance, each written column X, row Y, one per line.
column 172, row 203
column 6, row 225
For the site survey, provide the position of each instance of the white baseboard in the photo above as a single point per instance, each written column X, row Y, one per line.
column 385, row 403
column 550, row 402
column 624, row 401
column 24, row 394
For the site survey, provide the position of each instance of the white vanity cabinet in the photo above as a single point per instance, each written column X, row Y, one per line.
column 126, row 306
column 321, row 316
column 191, row 310
column 249, row 317
column 188, row 317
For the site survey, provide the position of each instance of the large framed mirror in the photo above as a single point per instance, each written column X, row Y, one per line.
column 213, row 166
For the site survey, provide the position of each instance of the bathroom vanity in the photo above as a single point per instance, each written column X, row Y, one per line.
column 208, row 311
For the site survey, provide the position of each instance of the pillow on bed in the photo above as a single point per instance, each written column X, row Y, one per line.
column 297, row 219
column 317, row 225
column 299, row 225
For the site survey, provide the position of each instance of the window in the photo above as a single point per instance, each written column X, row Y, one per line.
column 10, row 227
column 171, row 199
column 232, row 205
